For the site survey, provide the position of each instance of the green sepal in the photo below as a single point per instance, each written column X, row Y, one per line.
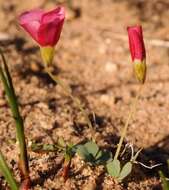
column 140, row 70
column 47, row 54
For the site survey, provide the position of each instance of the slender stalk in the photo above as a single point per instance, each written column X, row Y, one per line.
column 12, row 100
column 74, row 99
column 7, row 173
column 124, row 131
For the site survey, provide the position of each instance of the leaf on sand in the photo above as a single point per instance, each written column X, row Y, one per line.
column 113, row 168
column 92, row 148
column 126, row 170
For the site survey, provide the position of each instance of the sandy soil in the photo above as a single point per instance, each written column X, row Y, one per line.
column 92, row 56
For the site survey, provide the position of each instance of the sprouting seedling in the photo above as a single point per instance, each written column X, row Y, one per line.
column 117, row 171
column 91, row 153
column 114, row 167
column 45, row 28
column 67, row 149
column 12, row 100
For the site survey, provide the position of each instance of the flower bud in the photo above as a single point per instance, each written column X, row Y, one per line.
column 137, row 50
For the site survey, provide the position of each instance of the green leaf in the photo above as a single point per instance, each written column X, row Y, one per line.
column 165, row 183
column 99, row 155
column 90, row 152
column 103, row 157
column 113, row 168
column 6, row 172
column 126, row 170
column 83, row 153
column 92, row 148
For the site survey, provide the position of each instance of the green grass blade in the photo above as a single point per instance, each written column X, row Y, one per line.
column 12, row 100
column 7, row 173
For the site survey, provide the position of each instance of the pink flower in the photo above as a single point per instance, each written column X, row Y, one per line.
column 44, row 27
column 136, row 43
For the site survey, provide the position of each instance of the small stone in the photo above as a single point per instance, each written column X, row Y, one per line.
column 106, row 99
column 34, row 67
column 110, row 67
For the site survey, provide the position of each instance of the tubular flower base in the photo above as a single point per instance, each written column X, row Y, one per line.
column 47, row 54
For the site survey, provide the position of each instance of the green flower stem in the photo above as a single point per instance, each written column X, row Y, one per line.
column 124, row 131
column 7, row 173
column 75, row 100
column 12, row 100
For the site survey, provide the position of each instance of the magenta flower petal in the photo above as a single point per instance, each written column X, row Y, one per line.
column 49, row 34
column 44, row 27
column 51, row 16
column 51, row 27
column 136, row 43
column 30, row 21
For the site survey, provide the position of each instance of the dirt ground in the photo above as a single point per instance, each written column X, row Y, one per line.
column 93, row 57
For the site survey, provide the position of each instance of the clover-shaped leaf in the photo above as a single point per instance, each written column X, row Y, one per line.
column 92, row 148
column 83, row 153
column 125, row 171
column 113, row 168
column 90, row 152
